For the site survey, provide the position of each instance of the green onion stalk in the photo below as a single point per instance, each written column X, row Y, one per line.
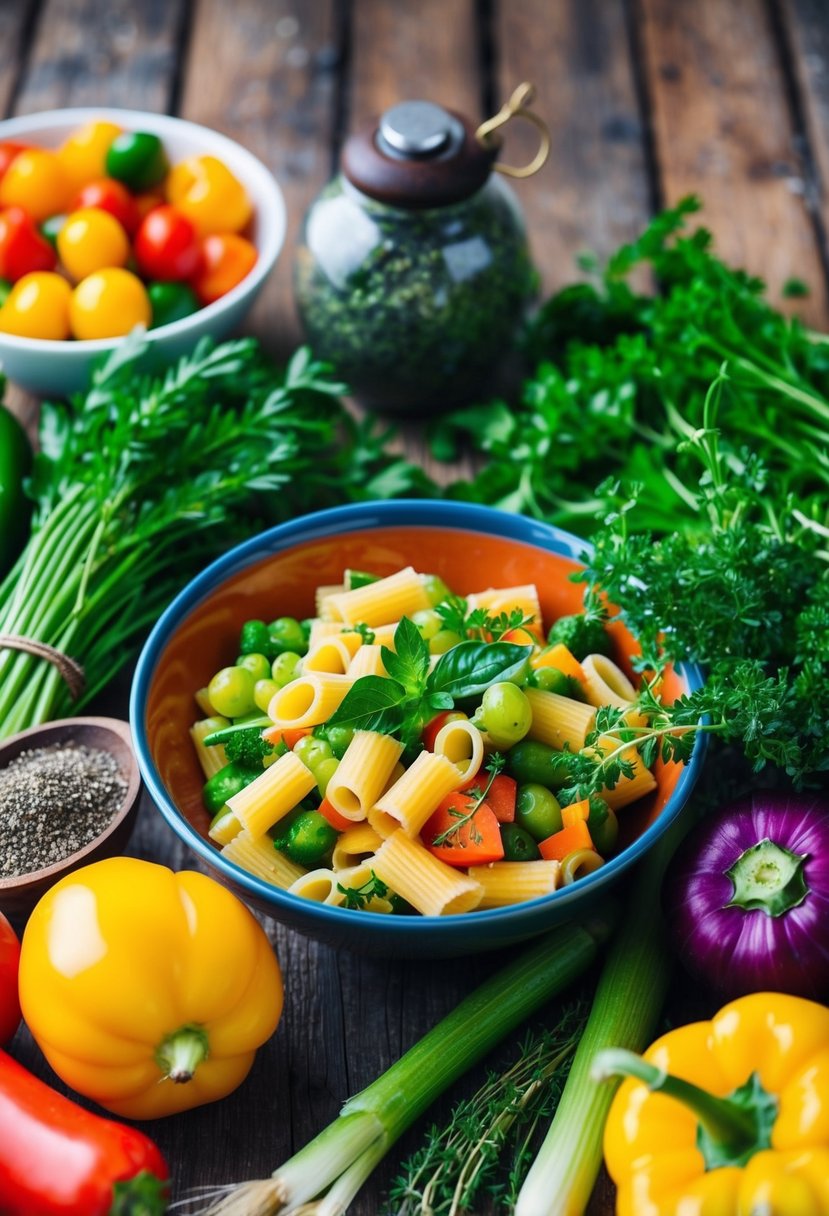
column 323, row 1178
column 142, row 481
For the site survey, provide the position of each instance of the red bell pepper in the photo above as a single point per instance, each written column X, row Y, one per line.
column 501, row 796
column 57, row 1159
column 9, row 963
column 463, row 831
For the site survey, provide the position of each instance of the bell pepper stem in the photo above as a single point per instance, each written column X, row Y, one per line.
column 143, row 1195
column 180, row 1053
column 725, row 1123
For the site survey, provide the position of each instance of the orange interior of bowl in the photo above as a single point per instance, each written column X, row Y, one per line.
column 284, row 585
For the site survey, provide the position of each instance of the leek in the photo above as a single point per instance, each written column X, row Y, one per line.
column 323, row 1178
column 626, row 1007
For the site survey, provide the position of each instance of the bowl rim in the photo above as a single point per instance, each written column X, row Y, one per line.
column 158, row 123
column 318, row 525
column 62, row 727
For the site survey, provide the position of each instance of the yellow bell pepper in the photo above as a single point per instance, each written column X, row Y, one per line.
column 147, row 991
column 725, row 1118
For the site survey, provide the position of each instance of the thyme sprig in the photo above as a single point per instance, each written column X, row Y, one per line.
column 494, row 766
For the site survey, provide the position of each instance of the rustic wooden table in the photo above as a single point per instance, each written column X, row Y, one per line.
column 646, row 100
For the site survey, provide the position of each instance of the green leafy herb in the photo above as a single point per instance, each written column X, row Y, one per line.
column 365, row 633
column 408, row 663
column 477, row 624
column 358, row 897
column 468, row 669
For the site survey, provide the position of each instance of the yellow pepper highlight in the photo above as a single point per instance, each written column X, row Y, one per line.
column 764, row 1151
column 147, row 991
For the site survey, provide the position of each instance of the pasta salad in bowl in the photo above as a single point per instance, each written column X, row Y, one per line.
column 403, row 727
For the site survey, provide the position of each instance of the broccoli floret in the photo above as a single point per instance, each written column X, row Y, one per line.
column 582, row 634
column 247, row 747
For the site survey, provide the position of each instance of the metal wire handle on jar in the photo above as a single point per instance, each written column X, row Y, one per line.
column 516, row 107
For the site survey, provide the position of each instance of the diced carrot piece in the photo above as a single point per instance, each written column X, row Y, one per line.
column 290, row 736
column 561, row 658
column 475, row 842
column 501, row 797
column 575, row 812
column 557, row 846
column 524, row 635
column 330, row 812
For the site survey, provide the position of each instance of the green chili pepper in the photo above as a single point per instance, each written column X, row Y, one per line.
column 531, row 761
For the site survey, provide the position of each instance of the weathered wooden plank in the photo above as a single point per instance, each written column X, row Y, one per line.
column 594, row 192
column 15, row 20
column 264, row 72
column 723, row 129
column 102, row 52
column 806, row 40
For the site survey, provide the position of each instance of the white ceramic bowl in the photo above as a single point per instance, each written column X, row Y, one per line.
column 58, row 368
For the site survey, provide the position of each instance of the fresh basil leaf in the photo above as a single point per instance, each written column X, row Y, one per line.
column 408, row 663
column 440, row 700
column 372, row 703
column 469, row 668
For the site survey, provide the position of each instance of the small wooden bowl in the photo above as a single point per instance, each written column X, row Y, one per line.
column 20, row 894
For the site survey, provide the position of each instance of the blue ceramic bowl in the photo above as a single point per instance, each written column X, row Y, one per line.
column 275, row 574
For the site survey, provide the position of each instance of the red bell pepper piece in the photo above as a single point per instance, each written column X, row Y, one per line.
column 330, row 812
column 462, row 836
column 57, row 1159
column 501, row 797
column 9, row 964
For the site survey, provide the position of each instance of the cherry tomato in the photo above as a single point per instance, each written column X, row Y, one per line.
column 8, row 151
column 50, row 228
column 83, row 153
column 108, row 304
column 226, row 260
column 91, row 240
column 137, row 159
column 205, row 190
column 36, row 180
column 167, row 245
column 37, row 307
column 111, row 196
column 9, row 963
column 172, row 302
column 22, row 248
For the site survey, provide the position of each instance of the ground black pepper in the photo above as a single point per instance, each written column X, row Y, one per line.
column 53, row 801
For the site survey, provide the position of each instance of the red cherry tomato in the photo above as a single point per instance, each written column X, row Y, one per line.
column 111, row 196
column 8, row 151
column 22, row 248
column 9, row 962
column 226, row 259
column 167, row 246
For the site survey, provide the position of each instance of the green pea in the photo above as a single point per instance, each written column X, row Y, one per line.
column 435, row 588
column 603, row 826
column 339, row 737
column 254, row 638
column 428, row 623
column 286, row 633
column 256, row 664
column 310, row 839
column 313, row 751
column 230, row 692
column 550, row 679
column 224, row 784
column 518, row 843
column 279, row 832
column 531, row 761
column 137, row 159
column 537, row 811
column 444, row 640
column 324, row 770
column 284, row 667
column 263, row 691
column 171, row 302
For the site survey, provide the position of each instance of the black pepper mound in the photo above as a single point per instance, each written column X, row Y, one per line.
column 53, row 801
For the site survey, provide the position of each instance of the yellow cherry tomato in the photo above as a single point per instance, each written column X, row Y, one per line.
column 204, row 189
column 37, row 307
column 108, row 304
column 90, row 240
column 36, row 181
column 83, row 153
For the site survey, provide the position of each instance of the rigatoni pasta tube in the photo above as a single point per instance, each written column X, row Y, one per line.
column 559, row 720
column 420, row 790
column 463, row 744
column 512, row 882
column 368, row 661
column 626, row 789
column 506, row 599
column 363, row 772
column 260, row 858
column 353, row 845
column 322, row 600
column 333, row 654
column 320, row 630
column 378, row 603
column 319, row 886
column 429, row 885
column 275, row 791
column 307, row 701
column 210, row 758
column 605, row 683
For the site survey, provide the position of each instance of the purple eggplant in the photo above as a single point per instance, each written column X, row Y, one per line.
column 747, row 897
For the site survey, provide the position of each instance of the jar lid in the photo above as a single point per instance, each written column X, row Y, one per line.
column 417, row 155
